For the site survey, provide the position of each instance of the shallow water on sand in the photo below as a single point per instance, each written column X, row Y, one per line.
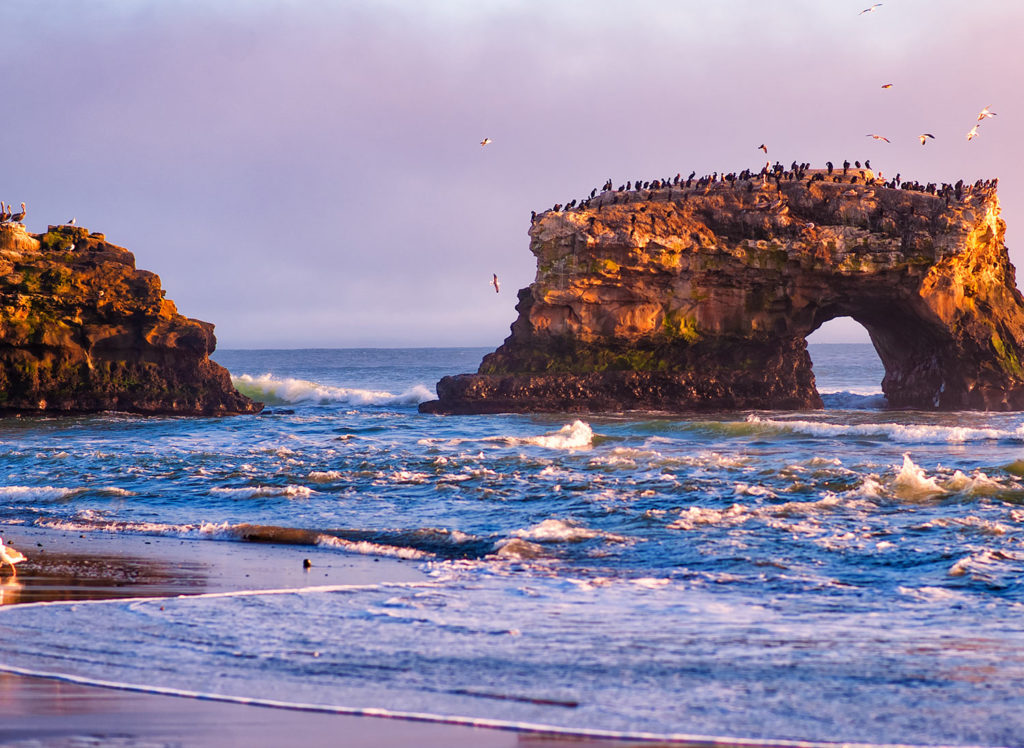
column 851, row 574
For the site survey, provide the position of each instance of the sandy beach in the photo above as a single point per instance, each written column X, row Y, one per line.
column 61, row 565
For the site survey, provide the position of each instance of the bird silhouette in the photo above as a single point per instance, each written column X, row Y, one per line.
column 923, row 137
column 494, row 282
column 486, row 141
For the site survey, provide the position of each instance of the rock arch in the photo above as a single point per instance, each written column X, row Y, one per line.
column 701, row 298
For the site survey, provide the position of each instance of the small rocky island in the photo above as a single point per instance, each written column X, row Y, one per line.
column 685, row 295
column 82, row 330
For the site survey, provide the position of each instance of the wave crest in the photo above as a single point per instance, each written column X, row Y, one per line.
column 289, row 391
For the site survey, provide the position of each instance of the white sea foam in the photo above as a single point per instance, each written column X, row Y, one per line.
column 270, row 389
column 33, row 493
column 894, row 432
column 325, row 476
column 251, row 492
column 367, row 548
column 575, row 435
column 562, row 531
column 913, row 483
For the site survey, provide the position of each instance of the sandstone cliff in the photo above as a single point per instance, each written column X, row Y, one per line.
column 700, row 298
column 82, row 330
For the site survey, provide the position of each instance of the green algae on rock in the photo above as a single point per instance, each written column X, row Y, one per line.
column 82, row 330
column 700, row 298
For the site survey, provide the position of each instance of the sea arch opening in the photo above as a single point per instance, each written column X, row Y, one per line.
column 847, row 369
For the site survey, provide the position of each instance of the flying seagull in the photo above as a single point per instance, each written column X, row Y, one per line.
column 870, row 10
column 494, row 282
column 877, row 137
column 763, row 147
column 923, row 137
column 486, row 141
column 71, row 222
column 886, row 85
column 10, row 556
column 973, row 133
column 985, row 113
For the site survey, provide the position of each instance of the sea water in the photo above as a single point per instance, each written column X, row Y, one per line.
column 852, row 574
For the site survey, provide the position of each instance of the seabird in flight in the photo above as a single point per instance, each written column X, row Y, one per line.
column 886, row 85
column 924, row 137
column 494, row 282
column 973, row 133
column 877, row 137
column 763, row 147
column 985, row 113
column 870, row 10
column 486, row 141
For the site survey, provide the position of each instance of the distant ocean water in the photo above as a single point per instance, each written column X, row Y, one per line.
column 851, row 574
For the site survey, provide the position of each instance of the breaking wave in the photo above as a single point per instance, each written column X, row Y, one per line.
column 894, row 432
column 289, row 391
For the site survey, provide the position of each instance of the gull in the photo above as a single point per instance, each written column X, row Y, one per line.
column 886, row 85
column 985, row 113
column 486, row 141
column 973, row 133
column 876, row 137
column 923, row 137
column 870, row 10
column 494, row 282
column 71, row 222
column 10, row 556
column 763, row 147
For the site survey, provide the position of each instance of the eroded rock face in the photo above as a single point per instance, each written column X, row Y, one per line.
column 82, row 330
column 685, row 299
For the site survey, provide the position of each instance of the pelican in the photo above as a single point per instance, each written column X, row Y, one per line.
column 4, row 214
column 984, row 114
column 871, row 9
column 18, row 217
column 494, row 282
column 973, row 133
column 10, row 556
column 886, row 85
column 877, row 137
column 486, row 141
column 923, row 137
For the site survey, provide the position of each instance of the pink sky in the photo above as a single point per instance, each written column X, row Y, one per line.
column 308, row 173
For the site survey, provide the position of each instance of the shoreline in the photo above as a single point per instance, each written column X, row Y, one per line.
column 71, row 565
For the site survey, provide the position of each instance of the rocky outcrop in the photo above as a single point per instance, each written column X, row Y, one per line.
column 695, row 298
column 81, row 330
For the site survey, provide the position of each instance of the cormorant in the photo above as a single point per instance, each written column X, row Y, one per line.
column 830, row 167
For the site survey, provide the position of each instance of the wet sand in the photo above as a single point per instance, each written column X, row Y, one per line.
column 72, row 566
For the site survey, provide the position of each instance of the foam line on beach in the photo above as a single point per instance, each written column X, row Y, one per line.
column 683, row 739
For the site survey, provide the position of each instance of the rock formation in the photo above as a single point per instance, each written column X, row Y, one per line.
column 700, row 298
column 82, row 330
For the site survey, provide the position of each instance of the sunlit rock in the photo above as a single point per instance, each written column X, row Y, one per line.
column 681, row 299
column 82, row 330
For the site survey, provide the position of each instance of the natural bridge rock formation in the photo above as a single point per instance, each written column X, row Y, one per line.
column 680, row 299
column 82, row 330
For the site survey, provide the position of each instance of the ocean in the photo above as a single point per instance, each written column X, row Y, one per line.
column 852, row 574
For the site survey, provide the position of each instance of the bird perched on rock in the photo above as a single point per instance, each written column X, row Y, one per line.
column 4, row 213
column 486, row 141
column 923, row 137
column 494, row 282
column 10, row 556
column 877, row 137
column 18, row 217
column 985, row 114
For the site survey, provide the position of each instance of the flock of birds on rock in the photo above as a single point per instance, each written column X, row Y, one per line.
column 7, row 214
column 848, row 173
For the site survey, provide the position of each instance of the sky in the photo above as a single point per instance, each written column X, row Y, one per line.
column 307, row 173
